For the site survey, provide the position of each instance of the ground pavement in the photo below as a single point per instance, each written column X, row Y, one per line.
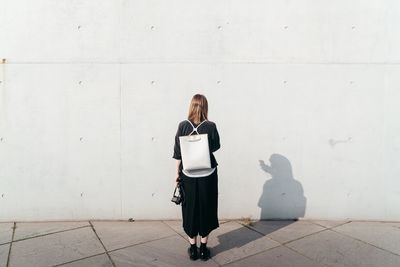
column 234, row 243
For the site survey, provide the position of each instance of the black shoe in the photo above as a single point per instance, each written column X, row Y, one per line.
column 204, row 253
column 192, row 251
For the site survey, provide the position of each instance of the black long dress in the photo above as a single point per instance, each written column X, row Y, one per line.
column 200, row 207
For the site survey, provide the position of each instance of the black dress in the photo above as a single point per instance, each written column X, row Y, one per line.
column 200, row 207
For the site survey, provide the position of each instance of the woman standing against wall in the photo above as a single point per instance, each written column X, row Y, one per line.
column 200, row 206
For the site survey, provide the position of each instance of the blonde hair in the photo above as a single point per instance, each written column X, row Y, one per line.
column 198, row 109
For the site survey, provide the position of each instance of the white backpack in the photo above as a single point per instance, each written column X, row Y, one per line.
column 195, row 153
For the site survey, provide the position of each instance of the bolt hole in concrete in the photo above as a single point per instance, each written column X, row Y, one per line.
column 79, row 27
column 1, row 139
column 218, row 82
column 353, row 27
column 152, row 27
column 80, row 139
column 286, row 27
column 219, row 27
column 153, row 82
column 80, row 82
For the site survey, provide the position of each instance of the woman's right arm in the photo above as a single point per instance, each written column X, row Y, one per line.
column 178, row 163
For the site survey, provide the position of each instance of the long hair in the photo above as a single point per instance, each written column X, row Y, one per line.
column 198, row 109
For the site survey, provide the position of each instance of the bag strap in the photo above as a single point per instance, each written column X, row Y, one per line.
column 176, row 187
column 195, row 128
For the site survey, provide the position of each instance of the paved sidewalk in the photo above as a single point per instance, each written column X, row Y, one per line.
column 234, row 243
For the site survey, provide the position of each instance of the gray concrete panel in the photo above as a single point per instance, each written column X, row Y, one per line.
column 232, row 241
column 202, row 32
column 116, row 235
column 284, row 231
column 4, row 249
column 95, row 261
column 333, row 249
column 48, row 31
column 6, row 232
column 69, row 115
column 170, row 251
column 27, row 230
column 383, row 235
column 328, row 224
column 276, row 257
column 55, row 248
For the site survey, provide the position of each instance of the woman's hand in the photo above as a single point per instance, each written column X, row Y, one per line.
column 176, row 180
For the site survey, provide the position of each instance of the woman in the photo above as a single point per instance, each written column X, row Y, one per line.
column 200, row 206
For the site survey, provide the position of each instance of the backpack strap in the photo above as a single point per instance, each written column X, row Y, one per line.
column 195, row 128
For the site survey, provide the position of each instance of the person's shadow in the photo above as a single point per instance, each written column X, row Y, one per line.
column 283, row 196
column 282, row 202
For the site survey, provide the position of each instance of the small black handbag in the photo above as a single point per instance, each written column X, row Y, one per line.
column 178, row 199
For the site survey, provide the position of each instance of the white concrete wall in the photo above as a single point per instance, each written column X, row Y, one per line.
column 91, row 94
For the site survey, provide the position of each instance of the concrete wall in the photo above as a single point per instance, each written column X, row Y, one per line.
column 305, row 95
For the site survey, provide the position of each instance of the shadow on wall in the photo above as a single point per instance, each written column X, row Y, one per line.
column 282, row 202
column 283, row 196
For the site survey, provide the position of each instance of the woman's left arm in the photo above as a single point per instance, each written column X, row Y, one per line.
column 177, row 153
column 215, row 142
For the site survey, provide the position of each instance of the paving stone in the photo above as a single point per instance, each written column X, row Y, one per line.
column 393, row 224
column 6, row 232
column 55, row 248
column 169, row 251
column 4, row 254
column 232, row 241
column 284, row 231
column 96, row 261
column 176, row 226
column 333, row 249
column 380, row 234
column 329, row 224
column 26, row 230
column 275, row 257
column 116, row 235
